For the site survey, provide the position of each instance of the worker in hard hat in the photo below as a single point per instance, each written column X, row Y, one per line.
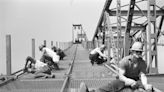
column 132, row 70
column 97, row 55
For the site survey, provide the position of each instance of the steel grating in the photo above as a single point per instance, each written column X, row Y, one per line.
column 157, row 81
column 33, row 85
column 85, row 70
column 31, row 90
column 94, row 77
column 91, row 83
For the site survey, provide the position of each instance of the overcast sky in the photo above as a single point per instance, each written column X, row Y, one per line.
column 49, row 20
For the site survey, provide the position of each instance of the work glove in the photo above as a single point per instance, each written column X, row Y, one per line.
column 134, row 85
column 148, row 87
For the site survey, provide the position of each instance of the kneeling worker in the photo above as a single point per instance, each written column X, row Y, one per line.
column 97, row 55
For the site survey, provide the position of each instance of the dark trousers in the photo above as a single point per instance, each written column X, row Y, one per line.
column 118, row 86
column 47, row 59
column 96, row 58
column 61, row 54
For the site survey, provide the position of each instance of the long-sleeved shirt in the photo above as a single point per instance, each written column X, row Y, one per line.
column 97, row 50
column 52, row 54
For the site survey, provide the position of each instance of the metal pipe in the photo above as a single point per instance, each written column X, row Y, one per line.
column 33, row 48
column 8, row 54
column 44, row 42
column 51, row 43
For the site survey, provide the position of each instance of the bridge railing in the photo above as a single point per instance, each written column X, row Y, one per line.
column 12, row 76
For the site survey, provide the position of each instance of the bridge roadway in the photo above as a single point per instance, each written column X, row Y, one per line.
column 83, row 71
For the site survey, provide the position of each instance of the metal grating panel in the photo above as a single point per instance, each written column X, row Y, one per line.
column 33, row 85
column 31, row 90
column 91, row 83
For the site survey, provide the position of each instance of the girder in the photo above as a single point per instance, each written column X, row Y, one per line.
column 135, row 13
column 127, row 38
column 138, row 22
column 119, row 30
column 114, row 28
column 106, row 6
column 152, row 35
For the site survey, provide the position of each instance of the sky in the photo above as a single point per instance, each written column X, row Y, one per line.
column 49, row 20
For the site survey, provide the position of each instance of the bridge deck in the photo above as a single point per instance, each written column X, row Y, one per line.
column 93, row 76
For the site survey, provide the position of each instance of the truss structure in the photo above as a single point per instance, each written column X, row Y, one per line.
column 126, row 30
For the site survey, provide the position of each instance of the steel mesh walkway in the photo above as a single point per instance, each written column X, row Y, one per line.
column 94, row 76
column 27, row 84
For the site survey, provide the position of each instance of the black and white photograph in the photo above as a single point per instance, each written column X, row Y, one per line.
column 81, row 45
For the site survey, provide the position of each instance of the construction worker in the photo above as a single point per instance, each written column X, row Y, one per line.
column 59, row 52
column 38, row 68
column 132, row 70
column 97, row 55
column 49, row 56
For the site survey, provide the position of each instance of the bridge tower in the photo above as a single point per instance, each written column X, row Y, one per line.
column 78, row 34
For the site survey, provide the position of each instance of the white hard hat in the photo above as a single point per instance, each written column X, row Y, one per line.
column 137, row 46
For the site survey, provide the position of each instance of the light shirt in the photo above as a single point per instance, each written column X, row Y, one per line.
column 39, row 65
column 52, row 54
column 94, row 51
column 97, row 50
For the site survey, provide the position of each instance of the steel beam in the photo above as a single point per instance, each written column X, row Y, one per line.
column 152, row 35
column 33, row 48
column 44, row 43
column 106, row 6
column 119, row 30
column 127, row 38
column 135, row 13
column 8, row 54
column 103, row 42
column 114, row 28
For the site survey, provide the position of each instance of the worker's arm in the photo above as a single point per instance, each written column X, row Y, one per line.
column 143, row 76
column 123, row 78
column 143, row 79
column 29, row 60
column 145, row 82
column 101, row 54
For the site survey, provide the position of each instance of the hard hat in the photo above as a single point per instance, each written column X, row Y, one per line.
column 137, row 46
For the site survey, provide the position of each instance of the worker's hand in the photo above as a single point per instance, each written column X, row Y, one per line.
column 128, row 82
column 134, row 85
column 105, row 58
column 148, row 87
